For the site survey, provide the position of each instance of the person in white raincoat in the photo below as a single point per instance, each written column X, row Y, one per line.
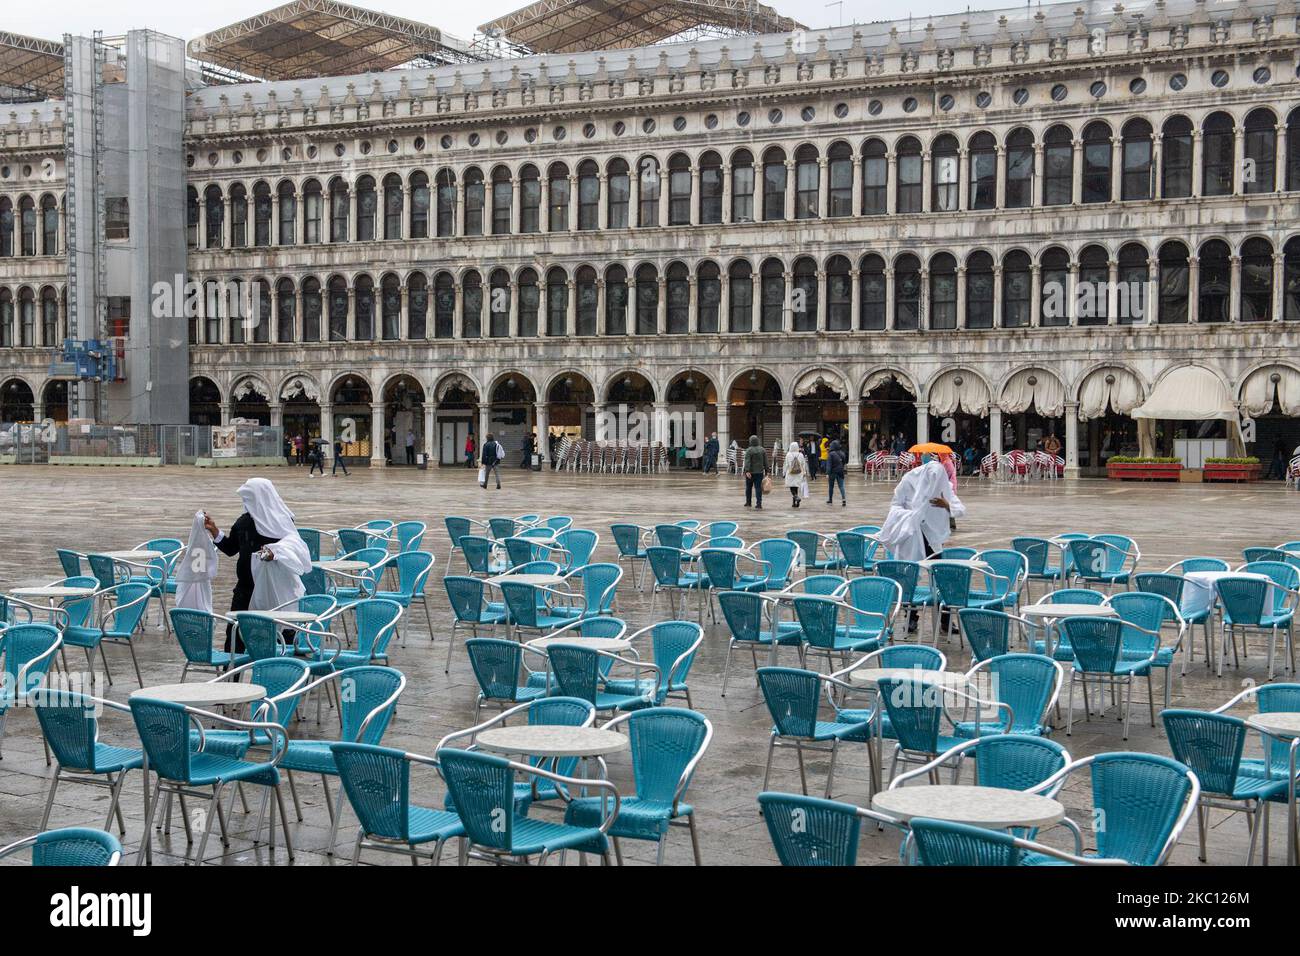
column 795, row 471
column 270, row 555
column 917, row 525
column 196, row 568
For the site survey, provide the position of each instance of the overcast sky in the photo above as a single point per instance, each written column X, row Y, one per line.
column 52, row 18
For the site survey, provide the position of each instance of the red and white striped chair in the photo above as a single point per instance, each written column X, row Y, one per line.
column 906, row 462
column 989, row 465
column 1293, row 473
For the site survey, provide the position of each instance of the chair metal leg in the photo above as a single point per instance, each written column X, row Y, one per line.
column 49, row 800
column 1069, row 707
column 803, row 776
column 115, row 803
column 830, row 774
column 767, row 770
column 214, row 804
column 334, row 820
column 284, row 821
column 695, row 839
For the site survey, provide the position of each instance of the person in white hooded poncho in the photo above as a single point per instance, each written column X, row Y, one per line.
column 270, row 555
column 917, row 525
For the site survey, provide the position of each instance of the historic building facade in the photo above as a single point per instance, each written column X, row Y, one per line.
column 982, row 230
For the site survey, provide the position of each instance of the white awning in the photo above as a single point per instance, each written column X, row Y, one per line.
column 810, row 380
column 1280, row 382
column 1189, row 393
column 959, row 390
column 1109, row 389
column 1034, row 388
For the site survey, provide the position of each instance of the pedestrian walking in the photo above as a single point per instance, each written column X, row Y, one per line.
column 754, row 466
column 835, row 463
column 711, row 449
column 490, row 462
column 338, row 460
column 795, row 471
column 410, row 446
column 316, row 457
column 469, row 451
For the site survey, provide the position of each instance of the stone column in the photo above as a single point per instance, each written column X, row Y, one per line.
column 327, row 223
column 377, row 435
column 1151, row 299
column 275, row 218
column 1072, row 294
column 923, row 319
column 927, row 180
column 273, row 333
column 404, row 315
column 1112, row 292
column 354, row 220
column 1193, row 290
column 997, row 295
column 823, row 308
column 430, row 443
column 961, row 297
column 1157, row 166
column 1071, row 439
column 658, row 423
column 963, row 178
column 457, row 315
column 891, row 183
column 634, row 198
column 544, row 206
column 922, row 422
column 571, row 308
column 789, row 190
column 513, row 329
column 756, row 303
column 602, row 202
column 601, row 326
column 787, row 307
column 855, row 297
column 889, row 299
column 1035, row 295
column 695, row 196
column 995, row 430
column 327, row 430
column 1000, row 192
column 693, row 307
column 1038, row 175
column 823, row 189
column 1279, row 178
column 1234, row 307
column 1116, row 168
column 787, row 423
column 352, row 315
column 543, row 432
column 225, row 223
column 1238, row 160
column 1198, row 161
column 484, row 424
column 855, row 433
column 516, row 206
column 573, row 202
column 726, row 194
column 201, row 240
column 458, row 213
column 1076, row 191
column 277, row 415
column 661, row 306
column 1278, row 304
column 226, row 409
column 856, row 208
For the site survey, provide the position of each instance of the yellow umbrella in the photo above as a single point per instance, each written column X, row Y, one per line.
column 930, row 448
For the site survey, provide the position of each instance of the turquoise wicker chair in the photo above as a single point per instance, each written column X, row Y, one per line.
column 469, row 609
column 74, row 846
column 792, row 698
column 743, row 613
column 194, row 630
column 943, row 843
column 117, row 625
column 71, row 728
column 1029, row 684
column 28, row 650
column 810, row 831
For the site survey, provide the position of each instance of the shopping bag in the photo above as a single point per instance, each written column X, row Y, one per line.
column 482, row 476
column 767, row 484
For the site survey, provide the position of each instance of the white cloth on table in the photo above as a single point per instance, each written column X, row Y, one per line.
column 279, row 580
column 196, row 568
column 1198, row 591
column 912, row 521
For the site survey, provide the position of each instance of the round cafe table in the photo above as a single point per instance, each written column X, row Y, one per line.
column 993, row 808
column 284, row 617
column 142, row 555
column 545, row 740
column 344, row 565
column 52, row 592
column 868, row 676
column 613, row 645
column 541, row 580
column 1285, row 727
column 971, row 563
column 1049, row 614
column 214, row 694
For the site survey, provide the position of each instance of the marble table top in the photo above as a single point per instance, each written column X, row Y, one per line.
column 204, row 694
column 1057, row 611
column 1285, row 724
column 52, row 591
column 868, row 676
column 543, row 740
column 991, row 807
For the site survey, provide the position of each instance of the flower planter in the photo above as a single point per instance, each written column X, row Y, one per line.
column 1227, row 472
column 1143, row 471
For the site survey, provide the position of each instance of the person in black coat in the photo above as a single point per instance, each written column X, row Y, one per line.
column 242, row 543
column 835, row 462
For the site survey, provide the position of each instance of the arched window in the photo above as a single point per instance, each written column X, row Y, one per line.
column 286, row 305
column 620, row 192
column 772, row 296
column 679, row 190
column 502, row 201
column 711, row 188
column 943, row 292
column 740, row 297
column 774, row 184
column 647, row 300
column 648, row 191
column 742, row 186
column 872, row 293
column 678, row 290
column 803, row 297
column 499, row 304
column 1054, row 294
column 1020, row 169
column 1260, row 173
column 471, row 286
column 390, row 308
column 6, row 319
column 238, row 216
column 49, row 316
column 420, row 201
column 558, row 206
column 909, row 175
column 213, row 210
column 1135, row 182
column 1291, row 280
column 1176, row 158
column 393, row 212
column 530, row 301
column 979, row 291
column 27, row 216
column 708, row 290
column 839, row 295
column 1217, row 149
column 367, row 209
column 983, row 171
column 557, row 302
column 1096, row 163
column 1173, row 283
column 1214, row 279
column 474, row 199
column 1058, row 167
column 875, row 179
column 311, row 310
column 1256, row 280
column 338, row 305
column 364, row 290
column 1091, row 295
column 262, row 298
column 907, row 293
column 1017, row 290
column 50, row 225
column 417, row 305
column 261, row 215
column 807, row 183
column 288, row 214
column 313, row 209
column 839, row 168
column 7, row 222
column 588, row 195
column 588, row 301
column 446, row 199
column 616, row 301
column 530, row 199
column 339, row 209
column 1131, row 294
column 1293, row 150
column 946, row 175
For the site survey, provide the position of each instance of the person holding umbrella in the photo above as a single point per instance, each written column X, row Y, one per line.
column 317, row 457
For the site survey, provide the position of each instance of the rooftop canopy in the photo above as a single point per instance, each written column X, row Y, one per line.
column 309, row 38
column 30, row 67
column 567, row 26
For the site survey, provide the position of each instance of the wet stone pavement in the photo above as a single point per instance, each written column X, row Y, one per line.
column 110, row 508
